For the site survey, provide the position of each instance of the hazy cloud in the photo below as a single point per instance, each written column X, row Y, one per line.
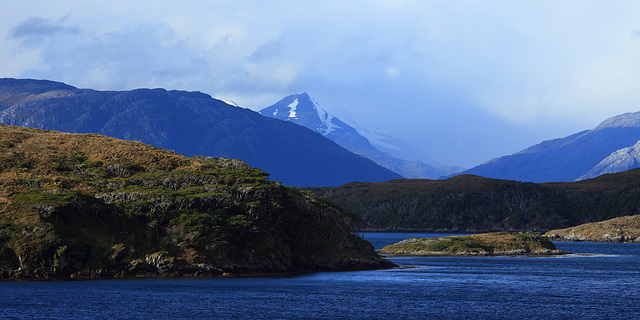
column 270, row 50
column 463, row 81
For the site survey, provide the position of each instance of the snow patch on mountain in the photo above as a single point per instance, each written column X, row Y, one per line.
column 326, row 125
column 620, row 160
column 292, row 109
column 229, row 102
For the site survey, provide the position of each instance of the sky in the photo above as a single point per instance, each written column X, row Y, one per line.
column 461, row 81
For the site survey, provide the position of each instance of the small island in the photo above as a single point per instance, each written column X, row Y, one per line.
column 486, row 244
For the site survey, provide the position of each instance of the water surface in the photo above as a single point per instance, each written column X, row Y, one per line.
column 599, row 281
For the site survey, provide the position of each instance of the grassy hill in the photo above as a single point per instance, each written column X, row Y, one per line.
column 476, row 204
column 621, row 229
column 89, row 206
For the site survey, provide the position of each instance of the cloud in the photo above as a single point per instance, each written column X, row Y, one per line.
column 36, row 29
column 435, row 73
column 147, row 55
column 267, row 51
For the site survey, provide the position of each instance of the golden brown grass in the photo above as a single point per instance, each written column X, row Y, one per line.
column 620, row 229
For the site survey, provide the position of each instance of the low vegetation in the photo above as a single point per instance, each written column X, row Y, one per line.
column 84, row 206
column 489, row 244
column 621, row 229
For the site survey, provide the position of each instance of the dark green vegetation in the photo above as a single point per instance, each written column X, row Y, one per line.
column 621, row 229
column 488, row 244
column 474, row 204
column 89, row 206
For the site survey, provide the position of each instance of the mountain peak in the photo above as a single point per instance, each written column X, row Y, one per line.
column 303, row 110
column 629, row 120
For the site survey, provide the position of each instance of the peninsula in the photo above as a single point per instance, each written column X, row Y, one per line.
column 76, row 206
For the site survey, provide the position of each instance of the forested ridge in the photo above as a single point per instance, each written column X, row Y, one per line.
column 475, row 204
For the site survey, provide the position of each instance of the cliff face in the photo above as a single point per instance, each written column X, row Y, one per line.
column 88, row 206
column 474, row 204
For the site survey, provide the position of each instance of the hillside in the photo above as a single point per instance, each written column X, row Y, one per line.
column 303, row 110
column 567, row 159
column 621, row 229
column 487, row 244
column 475, row 204
column 189, row 123
column 89, row 206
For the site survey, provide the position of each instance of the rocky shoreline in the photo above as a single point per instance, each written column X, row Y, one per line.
column 611, row 238
column 182, row 269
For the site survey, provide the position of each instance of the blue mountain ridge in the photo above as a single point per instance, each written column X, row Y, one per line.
column 190, row 123
column 567, row 159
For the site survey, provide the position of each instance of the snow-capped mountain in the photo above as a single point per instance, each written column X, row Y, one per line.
column 191, row 123
column 609, row 147
column 303, row 110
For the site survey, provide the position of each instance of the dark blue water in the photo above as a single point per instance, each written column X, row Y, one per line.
column 601, row 281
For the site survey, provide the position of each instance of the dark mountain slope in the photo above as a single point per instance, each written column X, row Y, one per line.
column 475, row 204
column 190, row 123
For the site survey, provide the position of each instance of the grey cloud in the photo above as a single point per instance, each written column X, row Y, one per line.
column 36, row 29
column 266, row 51
column 144, row 56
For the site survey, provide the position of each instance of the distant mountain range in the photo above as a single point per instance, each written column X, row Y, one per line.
column 190, row 123
column 610, row 147
column 303, row 110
